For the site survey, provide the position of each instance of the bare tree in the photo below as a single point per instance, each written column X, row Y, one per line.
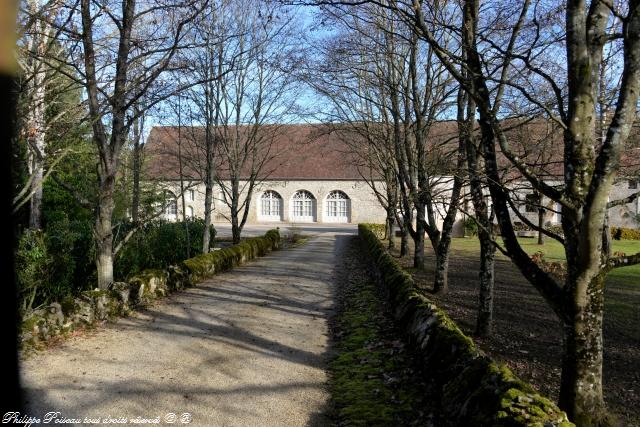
column 380, row 73
column 121, row 54
column 246, row 90
column 38, row 44
column 590, row 166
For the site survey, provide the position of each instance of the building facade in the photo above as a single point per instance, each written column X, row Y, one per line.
column 294, row 201
column 317, row 178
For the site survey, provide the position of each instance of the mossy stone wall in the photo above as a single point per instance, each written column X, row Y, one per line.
column 476, row 391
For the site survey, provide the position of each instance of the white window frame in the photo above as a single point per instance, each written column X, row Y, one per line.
column 191, row 195
column 171, row 209
column 189, row 212
column 337, row 207
column 303, row 207
column 270, row 206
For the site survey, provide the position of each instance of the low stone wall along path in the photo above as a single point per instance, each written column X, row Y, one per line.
column 245, row 348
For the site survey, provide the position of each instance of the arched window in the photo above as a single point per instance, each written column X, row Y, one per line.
column 170, row 206
column 303, row 207
column 337, row 207
column 189, row 211
column 271, row 206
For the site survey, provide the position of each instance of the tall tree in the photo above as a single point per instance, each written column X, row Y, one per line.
column 38, row 45
column 378, row 72
column 244, row 68
column 115, row 80
column 590, row 166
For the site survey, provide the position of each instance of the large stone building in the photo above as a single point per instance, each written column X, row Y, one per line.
column 312, row 176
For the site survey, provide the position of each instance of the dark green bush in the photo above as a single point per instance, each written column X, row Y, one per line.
column 159, row 244
column 470, row 227
column 72, row 247
column 55, row 263
column 33, row 269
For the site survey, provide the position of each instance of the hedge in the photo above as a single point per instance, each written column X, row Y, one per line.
column 205, row 265
column 380, row 230
column 59, row 318
column 475, row 390
column 621, row 233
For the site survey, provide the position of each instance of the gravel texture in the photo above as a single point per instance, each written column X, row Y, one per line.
column 245, row 348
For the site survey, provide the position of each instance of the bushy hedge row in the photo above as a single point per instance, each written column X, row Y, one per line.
column 54, row 264
column 204, row 265
column 160, row 244
column 380, row 230
column 475, row 389
column 58, row 263
column 621, row 233
column 617, row 233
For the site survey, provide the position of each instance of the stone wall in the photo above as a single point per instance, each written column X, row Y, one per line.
column 91, row 306
column 475, row 390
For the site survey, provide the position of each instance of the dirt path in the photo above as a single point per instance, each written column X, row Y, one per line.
column 245, row 348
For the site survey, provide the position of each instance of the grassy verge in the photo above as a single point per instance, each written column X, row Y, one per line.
column 372, row 377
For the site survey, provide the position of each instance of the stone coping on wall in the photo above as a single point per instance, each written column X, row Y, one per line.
column 61, row 318
column 475, row 390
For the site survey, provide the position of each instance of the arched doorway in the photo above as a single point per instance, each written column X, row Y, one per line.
column 270, row 208
column 338, row 207
column 303, row 207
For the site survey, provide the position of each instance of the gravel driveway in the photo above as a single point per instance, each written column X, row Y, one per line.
column 246, row 348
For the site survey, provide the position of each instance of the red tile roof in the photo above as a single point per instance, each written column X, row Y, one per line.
column 297, row 152
column 304, row 151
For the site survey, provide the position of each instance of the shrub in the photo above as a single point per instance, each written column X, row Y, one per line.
column 470, row 227
column 621, row 233
column 380, row 230
column 72, row 247
column 55, row 263
column 159, row 244
column 204, row 265
column 33, row 268
column 556, row 228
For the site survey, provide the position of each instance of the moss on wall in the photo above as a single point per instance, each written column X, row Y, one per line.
column 205, row 265
column 475, row 389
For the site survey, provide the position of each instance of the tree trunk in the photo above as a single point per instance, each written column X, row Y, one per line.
column 390, row 229
column 441, row 281
column 540, row 219
column 235, row 229
column 135, row 202
column 36, row 148
column 182, row 189
column 418, row 256
column 35, row 212
column 208, row 198
column 484, row 321
column 104, row 233
column 404, row 239
column 235, row 226
column 581, row 381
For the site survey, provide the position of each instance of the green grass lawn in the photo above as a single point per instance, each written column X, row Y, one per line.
column 554, row 251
